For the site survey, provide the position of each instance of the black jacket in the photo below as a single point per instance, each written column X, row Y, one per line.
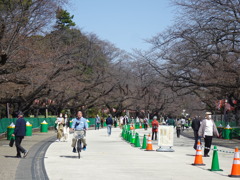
column 109, row 121
column 196, row 124
column 20, row 127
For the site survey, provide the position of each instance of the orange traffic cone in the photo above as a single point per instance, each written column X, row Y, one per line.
column 236, row 165
column 149, row 144
column 198, row 158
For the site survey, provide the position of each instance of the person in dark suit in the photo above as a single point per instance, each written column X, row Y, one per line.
column 19, row 133
column 195, row 126
column 109, row 123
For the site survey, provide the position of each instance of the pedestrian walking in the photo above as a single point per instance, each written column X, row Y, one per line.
column 19, row 133
column 97, row 122
column 196, row 122
column 109, row 123
column 102, row 122
column 137, row 121
column 183, row 121
column 178, row 127
column 115, row 122
column 125, row 120
column 60, row 122
column 207, row 130
column 121, row 121
column 155, row 125
column 66, row 128
column 145, row 123
column 170, row 121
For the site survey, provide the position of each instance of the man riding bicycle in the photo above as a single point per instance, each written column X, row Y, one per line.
column 79, row 126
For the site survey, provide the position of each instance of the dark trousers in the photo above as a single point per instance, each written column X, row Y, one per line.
column 97, row 126
column 18, row 141
column 178, row 132
column 145, row 126
column 155, row 135
column 208, row 143
column 196, row 137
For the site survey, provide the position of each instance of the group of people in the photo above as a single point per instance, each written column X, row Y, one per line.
column 100, row 121
column 79, row 126
column 205, row 129
column 62, row 127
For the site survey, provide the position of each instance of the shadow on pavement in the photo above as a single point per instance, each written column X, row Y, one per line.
column 190, row 154
column 11, row 157
column 76, row 157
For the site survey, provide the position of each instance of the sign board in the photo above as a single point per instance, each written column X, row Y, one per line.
column 165, row 136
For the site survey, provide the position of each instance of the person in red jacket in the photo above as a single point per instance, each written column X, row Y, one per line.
column 155, row 125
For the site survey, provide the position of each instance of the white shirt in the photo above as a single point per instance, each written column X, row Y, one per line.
column 209, row 128
column 183, row 121
column 137, row 120
column 59, row 120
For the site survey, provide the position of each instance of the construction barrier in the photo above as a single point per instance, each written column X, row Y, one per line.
column 236, row 164
column 134, row 138
column 144, row 144
column 137, row 141
column 149, row 144
column 215, row 162
column 198, row 157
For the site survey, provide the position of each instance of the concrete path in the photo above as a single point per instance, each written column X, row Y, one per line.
column 108, row 158
column 24, row 168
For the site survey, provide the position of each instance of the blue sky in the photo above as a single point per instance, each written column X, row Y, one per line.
column 124, row 23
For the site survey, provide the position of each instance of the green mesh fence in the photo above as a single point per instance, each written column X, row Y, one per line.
column 36, row 122
column 224, row 124
column 5, row 122
column 92, row 122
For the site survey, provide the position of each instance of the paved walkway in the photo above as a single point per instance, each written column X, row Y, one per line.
column 108, row 158
column 22, row 168
column 113, row 158
column 216, row 141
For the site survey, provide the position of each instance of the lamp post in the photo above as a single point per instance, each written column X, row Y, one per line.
column 225, row 112
column 7, row 107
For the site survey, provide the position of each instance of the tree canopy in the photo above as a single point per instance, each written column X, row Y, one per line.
column 190, row 66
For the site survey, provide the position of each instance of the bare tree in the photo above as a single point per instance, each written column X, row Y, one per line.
column 200, row 53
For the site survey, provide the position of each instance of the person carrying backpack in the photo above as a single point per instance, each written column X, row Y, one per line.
column 155, row 125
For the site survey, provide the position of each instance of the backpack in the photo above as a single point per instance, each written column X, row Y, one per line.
column 155, row 127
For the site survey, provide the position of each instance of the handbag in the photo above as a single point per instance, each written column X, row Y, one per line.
column 11, row 142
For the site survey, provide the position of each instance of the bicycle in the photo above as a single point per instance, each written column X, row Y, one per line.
column 79, row 137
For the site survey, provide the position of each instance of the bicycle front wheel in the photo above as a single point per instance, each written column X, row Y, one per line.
column 79, row 147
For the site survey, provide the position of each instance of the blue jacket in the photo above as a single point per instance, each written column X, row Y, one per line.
column 20, row 127
column 109, row 121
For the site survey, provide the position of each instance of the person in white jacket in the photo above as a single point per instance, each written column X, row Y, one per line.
column 60, row 123
column 66, row 128
column 207, row 130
